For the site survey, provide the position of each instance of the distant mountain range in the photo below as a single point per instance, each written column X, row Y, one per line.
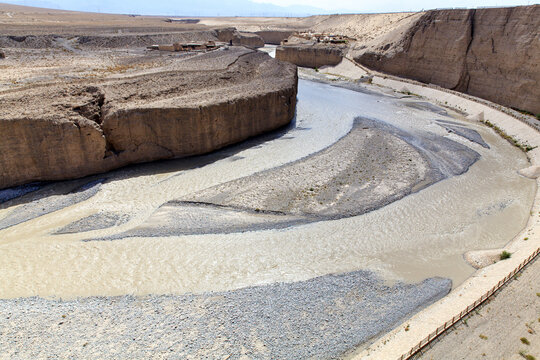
column 176, row 8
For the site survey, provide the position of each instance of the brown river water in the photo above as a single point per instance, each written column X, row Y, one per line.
column 422, row 235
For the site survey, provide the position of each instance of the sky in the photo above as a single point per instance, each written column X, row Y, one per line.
column 395, row 6
column 258, row 7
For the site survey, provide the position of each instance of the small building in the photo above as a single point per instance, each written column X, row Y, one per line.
column 182, row 20
column 195, row 46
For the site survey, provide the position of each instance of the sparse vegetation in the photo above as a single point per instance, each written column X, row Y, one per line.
column 524, row 354
column 482, row 336
column 407, row 328
column 525, row 112
column 510, row 139
column 505, row 255
column 409, row 93
column 525, row 341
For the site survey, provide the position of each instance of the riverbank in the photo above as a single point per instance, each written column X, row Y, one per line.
column 496, row 329
column 419, row 327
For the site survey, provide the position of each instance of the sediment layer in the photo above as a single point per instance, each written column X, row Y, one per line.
column 373, row 166
column 121, row 40
column 193, row 105
column 311, row 55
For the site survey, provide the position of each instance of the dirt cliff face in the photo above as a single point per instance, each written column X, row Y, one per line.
column 274, row 37
column 193, row 105
column 489, row 53
column 311, row 56
column 237, row 38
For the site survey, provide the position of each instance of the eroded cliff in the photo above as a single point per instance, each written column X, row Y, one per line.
column 311, row 55
column 490, row 53
column 193, row 105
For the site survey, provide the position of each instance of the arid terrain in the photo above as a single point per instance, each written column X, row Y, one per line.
column 221, row 203
column 507, row 327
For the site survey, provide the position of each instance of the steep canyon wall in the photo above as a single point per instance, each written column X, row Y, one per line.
column 491, row 53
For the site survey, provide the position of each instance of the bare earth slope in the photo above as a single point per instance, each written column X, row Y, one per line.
column 191, row 105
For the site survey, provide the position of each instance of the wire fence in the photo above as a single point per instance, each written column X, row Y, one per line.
column 441, row 329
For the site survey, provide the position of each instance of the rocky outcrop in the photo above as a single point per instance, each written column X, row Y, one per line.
column 196, row 105
column 312, row 56
column 236, row 38
column 2, row 55
column 274, row 37
column 490, row 53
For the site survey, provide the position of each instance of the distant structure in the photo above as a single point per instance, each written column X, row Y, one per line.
column 195, row 46
column 323, row 38
column 182, row 21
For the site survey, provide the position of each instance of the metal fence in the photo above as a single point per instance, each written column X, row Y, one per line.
column 441, row 329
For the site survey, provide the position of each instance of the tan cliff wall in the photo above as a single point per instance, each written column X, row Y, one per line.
column 61, row 132
column 182, row 131
column 490, row 53
column 237, row 38
column 274, row 37
column 312, row 56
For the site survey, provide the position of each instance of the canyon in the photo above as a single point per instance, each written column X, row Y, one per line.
column 168, row 188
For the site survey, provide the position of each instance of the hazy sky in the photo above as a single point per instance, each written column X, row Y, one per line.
column 393, row 5
column 258, row 7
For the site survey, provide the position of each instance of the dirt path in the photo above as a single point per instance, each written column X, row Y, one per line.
column 495, row 330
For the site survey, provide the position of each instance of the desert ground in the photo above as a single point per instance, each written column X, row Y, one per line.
column 302, row 214
column 507, row 327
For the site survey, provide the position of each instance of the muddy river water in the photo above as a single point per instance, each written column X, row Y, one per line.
column 422, row 235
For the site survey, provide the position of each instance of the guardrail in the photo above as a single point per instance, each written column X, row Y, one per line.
column 441, row 329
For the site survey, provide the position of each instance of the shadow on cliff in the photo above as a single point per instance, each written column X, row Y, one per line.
column 40, row 191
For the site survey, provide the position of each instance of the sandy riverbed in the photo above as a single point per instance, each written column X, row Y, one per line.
column 419, row 236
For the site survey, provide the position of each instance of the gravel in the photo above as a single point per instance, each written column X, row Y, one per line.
column 97, row 221
column 374, row 165
column 469, row 134
column 319, row 318
column 425, row 106
column 49, row 204
column 18, row 191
